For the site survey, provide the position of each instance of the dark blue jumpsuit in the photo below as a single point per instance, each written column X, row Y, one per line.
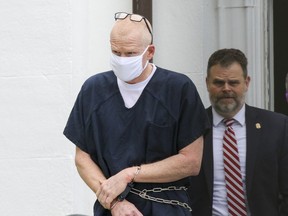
column 168, row 116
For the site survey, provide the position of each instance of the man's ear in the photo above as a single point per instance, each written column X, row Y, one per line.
column 206, row 80
column 151, row 51
column 247, row 82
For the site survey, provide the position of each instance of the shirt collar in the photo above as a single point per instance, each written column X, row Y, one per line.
column 239, row 117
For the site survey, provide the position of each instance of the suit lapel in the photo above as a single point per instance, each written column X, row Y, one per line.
column 208, row 159
column 253, row 137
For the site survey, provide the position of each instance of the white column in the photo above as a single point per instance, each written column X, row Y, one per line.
column 241, row 26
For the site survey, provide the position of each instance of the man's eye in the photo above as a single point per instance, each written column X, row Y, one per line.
column 218, row 83
column 233, row 83
column 116, row 53
column 131, row 54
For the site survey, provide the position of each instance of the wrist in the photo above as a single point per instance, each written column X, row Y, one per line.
column 130, row 183
column 131, row 173
column 113, row 204
column 136, row 173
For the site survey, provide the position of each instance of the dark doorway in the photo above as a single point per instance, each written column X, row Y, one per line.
column 280, row 18
column 144, row 8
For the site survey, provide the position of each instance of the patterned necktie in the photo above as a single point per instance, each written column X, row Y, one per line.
column 233, row 177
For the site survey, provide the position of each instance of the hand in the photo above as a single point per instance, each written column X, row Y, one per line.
column 125, row 208
column 111, row 188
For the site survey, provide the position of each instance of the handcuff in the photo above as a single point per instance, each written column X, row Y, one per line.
column 128, row 188
column 125, row 193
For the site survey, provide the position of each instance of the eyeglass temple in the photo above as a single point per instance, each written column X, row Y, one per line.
column 147, row 25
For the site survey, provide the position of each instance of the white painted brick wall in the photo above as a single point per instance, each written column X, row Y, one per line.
column 36, row 162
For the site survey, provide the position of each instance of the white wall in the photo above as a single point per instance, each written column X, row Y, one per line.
column 35, row 63
column 178, row 36
column 47, row 49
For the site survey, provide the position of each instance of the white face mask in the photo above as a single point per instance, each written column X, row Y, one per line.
column 127, row 68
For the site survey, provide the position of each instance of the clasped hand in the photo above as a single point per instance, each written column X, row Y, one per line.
column 110, row 189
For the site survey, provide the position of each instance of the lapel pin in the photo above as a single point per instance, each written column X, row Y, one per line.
column 258, row 126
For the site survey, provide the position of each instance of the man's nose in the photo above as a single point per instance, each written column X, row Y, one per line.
column 226, row 87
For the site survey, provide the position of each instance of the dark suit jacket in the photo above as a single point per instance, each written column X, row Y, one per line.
column 266, row 166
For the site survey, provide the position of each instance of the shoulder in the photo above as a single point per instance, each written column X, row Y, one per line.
column 100, row 80
column 171, row 76
column 100, row 83
column 264, row 114
column 173, row 88
column 98, row 88
column 170, row 81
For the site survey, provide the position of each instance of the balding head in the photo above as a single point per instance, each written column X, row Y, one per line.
column 130, row 31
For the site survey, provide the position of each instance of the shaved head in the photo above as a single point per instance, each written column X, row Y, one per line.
column 126, row 29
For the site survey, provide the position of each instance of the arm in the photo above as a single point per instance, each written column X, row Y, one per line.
column 88, row 170
column 94, row 177
column 186, row 163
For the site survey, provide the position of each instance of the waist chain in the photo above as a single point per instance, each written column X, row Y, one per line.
column 143, row 194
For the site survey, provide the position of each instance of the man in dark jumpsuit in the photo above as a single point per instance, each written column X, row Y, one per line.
column 138, row 129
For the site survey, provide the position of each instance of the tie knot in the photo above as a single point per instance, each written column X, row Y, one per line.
column 228, row 122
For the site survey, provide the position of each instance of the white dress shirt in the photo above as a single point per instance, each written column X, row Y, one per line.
column 220, row 207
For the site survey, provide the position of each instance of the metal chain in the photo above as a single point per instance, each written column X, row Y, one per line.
column 143, row 194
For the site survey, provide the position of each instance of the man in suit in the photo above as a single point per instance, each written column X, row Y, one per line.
column 262, row 142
